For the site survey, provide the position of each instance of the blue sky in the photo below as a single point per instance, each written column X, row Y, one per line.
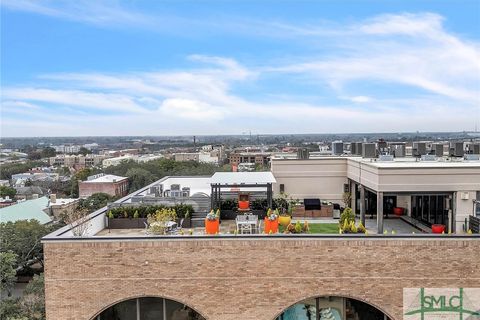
column 226, row 67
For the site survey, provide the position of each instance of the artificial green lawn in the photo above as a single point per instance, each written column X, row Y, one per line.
column 318, row 228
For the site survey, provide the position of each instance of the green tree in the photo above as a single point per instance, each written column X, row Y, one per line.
column 13, row 168
column 95, row 201
column 10, row 309
column 83, row 174
column 23, row 237
column 33, row 301
column 139, row 178
column 34, row 155
column 7, row 192
column 84, row 151
column 48, row 152
column 8, row 264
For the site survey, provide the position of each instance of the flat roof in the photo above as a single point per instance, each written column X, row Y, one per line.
column 26, row 210
column 106, row 178
column 235, row 178
column 411, row 163
column 407, row 162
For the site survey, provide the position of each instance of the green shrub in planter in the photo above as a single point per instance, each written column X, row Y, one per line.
column 144, row 211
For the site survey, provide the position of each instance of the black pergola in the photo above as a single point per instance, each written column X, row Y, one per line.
column 217, row 189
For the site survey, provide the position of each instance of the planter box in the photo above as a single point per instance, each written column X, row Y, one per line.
column 298, row 212
column 126, row 223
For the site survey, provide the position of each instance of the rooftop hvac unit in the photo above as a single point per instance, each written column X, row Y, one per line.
column 457, row 149
column 419, row 149
column 175, row 187
column 353, row 148
column 382, row 147
column 474, row 148
column 153, row 190
column 437, row 149
column 359, row 148
column 398, row 150
column 337, row 147
column 186, row 192
column 428, row 157
column 385, row 157
column 369, row 150
column 175, row 193
column 303, row 153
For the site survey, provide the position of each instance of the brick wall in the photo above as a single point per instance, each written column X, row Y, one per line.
column 250, row 278
column 86, row 189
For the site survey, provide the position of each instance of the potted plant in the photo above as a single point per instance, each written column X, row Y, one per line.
column 398, row 211
column 271, row 221
column 286, row 217
column 212, row 222
column 297, row 228
column 438, row 228
column 158, row 222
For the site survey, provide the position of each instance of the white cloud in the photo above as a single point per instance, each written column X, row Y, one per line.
column 440, row 70
column 88, row 100
column 429, row 58
column 102, row 13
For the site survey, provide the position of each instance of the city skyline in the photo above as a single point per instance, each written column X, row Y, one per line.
column 138, row 68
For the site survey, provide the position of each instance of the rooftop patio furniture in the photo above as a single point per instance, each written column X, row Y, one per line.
column 246, row 223
column 147, row 232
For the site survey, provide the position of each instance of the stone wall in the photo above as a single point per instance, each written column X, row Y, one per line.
column 253, row 278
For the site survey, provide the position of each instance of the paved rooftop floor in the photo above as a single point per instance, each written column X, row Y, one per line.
column 228, row 226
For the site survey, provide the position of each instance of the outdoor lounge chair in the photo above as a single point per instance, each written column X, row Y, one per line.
column 146, row 228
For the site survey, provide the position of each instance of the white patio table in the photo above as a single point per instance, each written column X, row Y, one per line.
column 246, row 223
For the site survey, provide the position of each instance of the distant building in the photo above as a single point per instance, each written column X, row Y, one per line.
column 4, row 183
column 30, row 192
column 184, row 156
column 20, row 179
column 261, row 158
column 113, row 185
column 67, row 148
column 137, row 158
column 61, row 207
column 77, row 161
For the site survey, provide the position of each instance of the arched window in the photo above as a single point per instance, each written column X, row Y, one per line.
column 332, row 308
column 149, row 308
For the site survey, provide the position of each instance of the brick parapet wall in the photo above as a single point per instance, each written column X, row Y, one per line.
column 250, row 278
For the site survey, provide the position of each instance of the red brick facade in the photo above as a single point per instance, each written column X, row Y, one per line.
column 250, row 278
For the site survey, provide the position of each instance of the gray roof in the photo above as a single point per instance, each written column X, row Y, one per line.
column 29, row 190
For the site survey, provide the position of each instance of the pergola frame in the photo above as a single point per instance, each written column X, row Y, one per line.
column 217, row 189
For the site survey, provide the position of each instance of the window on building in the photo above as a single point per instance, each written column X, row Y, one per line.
column 282, row 188
column 149, row 308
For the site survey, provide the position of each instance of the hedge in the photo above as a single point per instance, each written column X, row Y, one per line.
column 144, row 211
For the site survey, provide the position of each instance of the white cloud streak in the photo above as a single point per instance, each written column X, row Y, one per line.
column 398, row 50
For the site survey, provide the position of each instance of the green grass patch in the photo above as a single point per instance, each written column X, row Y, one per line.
column 323, row 227
column 318, row 228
